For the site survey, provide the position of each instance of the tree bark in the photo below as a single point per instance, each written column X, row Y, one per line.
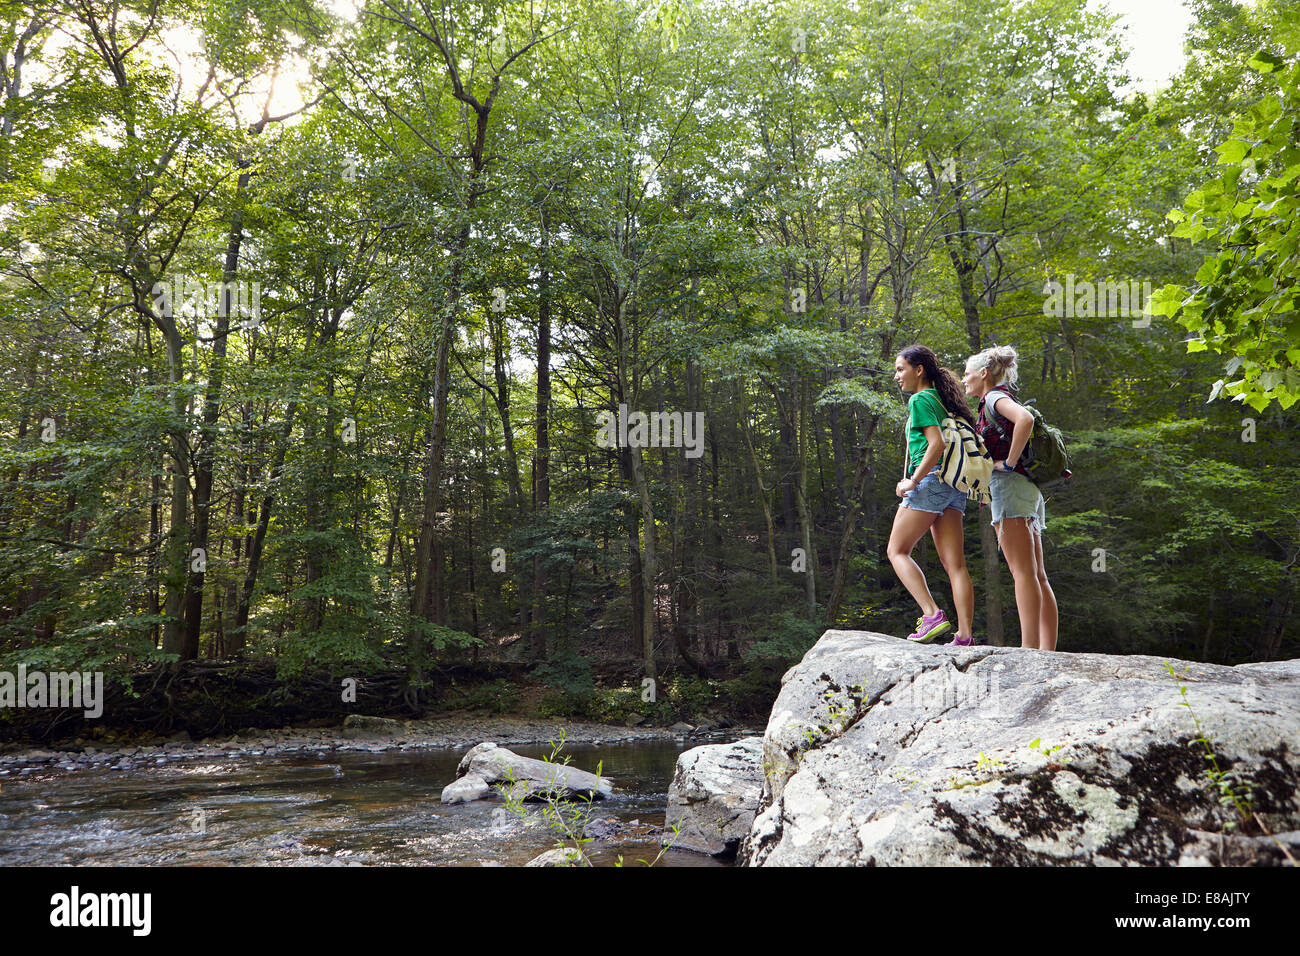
column 542, row 431
column 204, row 459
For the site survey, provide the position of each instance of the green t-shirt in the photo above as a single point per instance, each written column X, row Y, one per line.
column 925, row 408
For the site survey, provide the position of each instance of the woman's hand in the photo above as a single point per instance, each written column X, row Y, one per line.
column 1001, row 466
column 900, row 488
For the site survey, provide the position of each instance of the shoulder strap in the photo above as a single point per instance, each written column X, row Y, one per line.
column 992, row 416
column 907, row 419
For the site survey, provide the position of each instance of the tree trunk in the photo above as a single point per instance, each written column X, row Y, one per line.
column 239, row 636
column 763, row 492
column 542, row 452
column 427, row 599
column 805, row 509
column 175, row 556
column 860, row 475
column 205, row 458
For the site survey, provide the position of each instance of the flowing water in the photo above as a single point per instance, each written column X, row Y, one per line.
column 330, row 808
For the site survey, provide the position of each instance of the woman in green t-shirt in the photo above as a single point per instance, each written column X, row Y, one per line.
column 929, row 504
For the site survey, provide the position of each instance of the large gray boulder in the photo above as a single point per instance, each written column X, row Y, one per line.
column 714, row 795
column 882, row 752
column 488, row 764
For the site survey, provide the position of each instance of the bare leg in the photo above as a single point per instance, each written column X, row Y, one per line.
column 1018, row 547
column 947, row 534
column 909, row 525
column 1047, row 615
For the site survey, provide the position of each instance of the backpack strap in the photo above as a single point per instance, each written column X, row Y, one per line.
column 907, row 420
column 992, row 417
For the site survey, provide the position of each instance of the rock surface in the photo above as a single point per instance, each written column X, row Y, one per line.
column 558, row 857
column 882, row 752
column 488, row 764
column 714, row 795
column 467, row 788
column 357, row 726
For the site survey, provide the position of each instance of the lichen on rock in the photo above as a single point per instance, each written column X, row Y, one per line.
column 880, row 752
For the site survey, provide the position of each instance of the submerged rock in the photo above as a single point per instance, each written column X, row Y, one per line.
column 601, row 828
column 492, row 764
column 881, row 752
column 713, row 796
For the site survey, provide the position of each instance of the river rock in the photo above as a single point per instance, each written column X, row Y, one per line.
column 601, row 828
column 361, row 725
column 467, row 788
column 566, row 857
column 495, row 764
column 882, row 752
column 713, row 796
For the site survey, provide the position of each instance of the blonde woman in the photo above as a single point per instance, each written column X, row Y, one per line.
column 1019, row 514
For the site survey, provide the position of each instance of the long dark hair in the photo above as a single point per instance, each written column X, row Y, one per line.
column 944, row 380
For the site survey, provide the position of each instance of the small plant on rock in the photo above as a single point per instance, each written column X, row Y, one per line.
column 567, row 818
column 1234, row 791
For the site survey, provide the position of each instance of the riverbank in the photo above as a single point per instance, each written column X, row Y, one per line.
column 364, row 734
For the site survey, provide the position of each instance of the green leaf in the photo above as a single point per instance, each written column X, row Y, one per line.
column 1167, row 301
column 1233, row 151
column 1265, row 62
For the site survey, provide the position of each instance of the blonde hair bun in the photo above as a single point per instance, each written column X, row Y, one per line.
column 1000, row 360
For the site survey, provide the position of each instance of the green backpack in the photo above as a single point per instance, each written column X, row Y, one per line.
column 1045, row 457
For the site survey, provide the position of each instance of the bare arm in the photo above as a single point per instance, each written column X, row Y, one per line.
column 933, row 452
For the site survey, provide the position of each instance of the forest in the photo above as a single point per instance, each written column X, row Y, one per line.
column 472, row 347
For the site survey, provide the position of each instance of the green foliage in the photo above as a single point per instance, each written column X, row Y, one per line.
column 497, row 697
column 1246, row 304
column 786, row 639
column 733, row 226
column 566, row 818
column 567, row 672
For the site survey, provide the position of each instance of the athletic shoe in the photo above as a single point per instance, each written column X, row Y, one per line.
column 960, row 641
column 928, row 628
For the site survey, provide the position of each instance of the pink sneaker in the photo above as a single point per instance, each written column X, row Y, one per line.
column 960, row 641
column 928, row 628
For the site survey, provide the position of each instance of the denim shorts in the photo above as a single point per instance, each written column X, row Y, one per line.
column 1015, row 496
column 934, row 496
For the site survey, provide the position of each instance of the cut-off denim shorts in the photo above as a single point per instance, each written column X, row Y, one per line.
column 934, row 496
column 1015, row 496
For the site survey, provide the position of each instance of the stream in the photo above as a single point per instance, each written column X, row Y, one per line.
column 336, row 808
